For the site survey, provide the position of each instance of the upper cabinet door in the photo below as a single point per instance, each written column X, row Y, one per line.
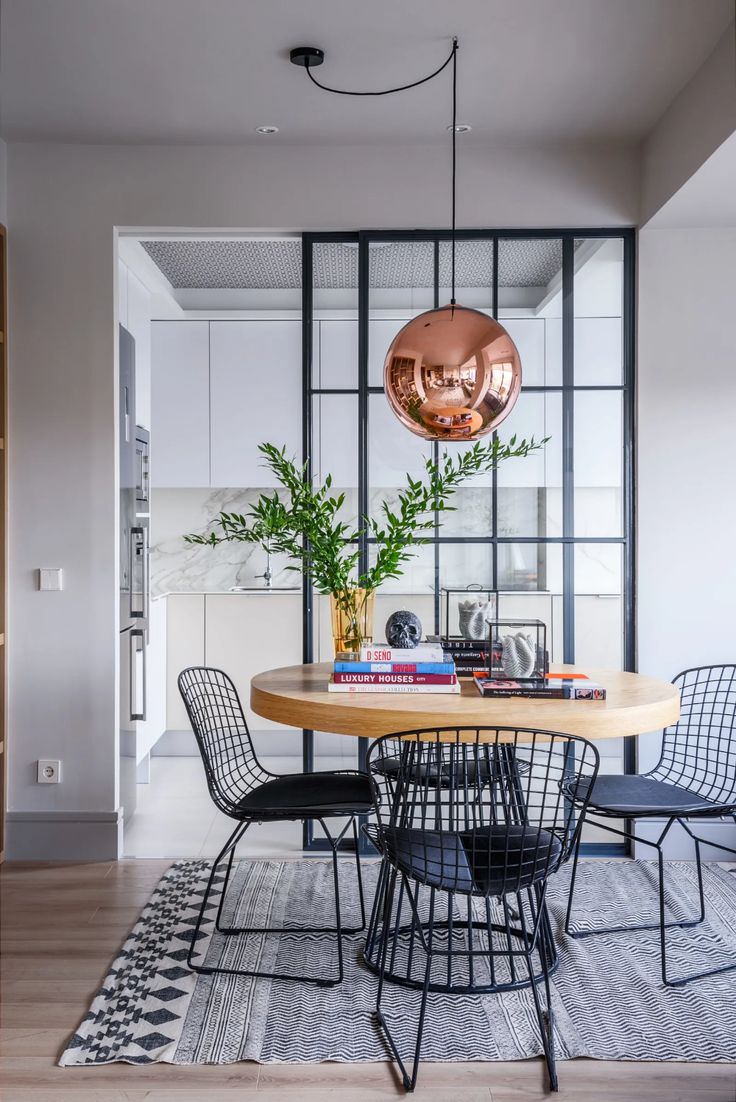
column 180, row 401
column 256, row 397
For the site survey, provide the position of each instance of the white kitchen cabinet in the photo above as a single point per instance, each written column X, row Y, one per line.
column 255, row 396
column 180, row 401
column 338, row 350
column 337, row 362
column 185, row 647
column 246, row 634
column 381, row 332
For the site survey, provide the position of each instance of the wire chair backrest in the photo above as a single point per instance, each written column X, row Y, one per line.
column 216, row 714
column 480, row 810
column 699, row 751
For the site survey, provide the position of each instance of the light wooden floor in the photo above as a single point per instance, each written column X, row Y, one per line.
column 62, row 925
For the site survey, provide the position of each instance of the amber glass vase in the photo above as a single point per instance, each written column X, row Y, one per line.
column 352, row 618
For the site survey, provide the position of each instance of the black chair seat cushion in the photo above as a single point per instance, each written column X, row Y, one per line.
column 638, row 796
column 307, row 794
column 430, row 772
column 488, row 861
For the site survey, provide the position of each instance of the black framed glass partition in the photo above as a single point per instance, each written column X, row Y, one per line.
column 553, row 533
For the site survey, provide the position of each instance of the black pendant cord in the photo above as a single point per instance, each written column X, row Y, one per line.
column 403, row 88
column 384, row 91
column 454, row 164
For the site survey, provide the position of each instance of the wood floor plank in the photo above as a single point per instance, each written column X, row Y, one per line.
column 62, row 925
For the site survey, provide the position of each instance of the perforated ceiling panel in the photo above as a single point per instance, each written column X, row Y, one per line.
column 275, row 263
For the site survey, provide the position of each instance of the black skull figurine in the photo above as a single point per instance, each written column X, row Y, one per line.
column 403, row 629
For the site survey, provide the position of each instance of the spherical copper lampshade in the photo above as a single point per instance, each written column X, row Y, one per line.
column 452, row 374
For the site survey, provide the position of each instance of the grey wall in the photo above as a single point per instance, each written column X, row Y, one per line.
column 65, row 202
column 686, row 515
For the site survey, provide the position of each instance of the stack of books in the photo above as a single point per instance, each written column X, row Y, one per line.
column 470, row 656
column 552, row 687
column 382, row 669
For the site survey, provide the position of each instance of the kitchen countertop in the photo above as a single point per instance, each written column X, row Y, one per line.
column 255, row 592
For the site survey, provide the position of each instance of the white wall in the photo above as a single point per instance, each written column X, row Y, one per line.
column 687, row 397
column 65, row 203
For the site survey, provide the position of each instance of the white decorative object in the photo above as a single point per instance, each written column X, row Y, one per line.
column 518, row 655
column 474, row 616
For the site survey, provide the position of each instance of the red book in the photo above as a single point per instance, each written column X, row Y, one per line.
column 394, row 678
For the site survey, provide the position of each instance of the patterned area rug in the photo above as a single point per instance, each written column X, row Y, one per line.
column 609, row 1002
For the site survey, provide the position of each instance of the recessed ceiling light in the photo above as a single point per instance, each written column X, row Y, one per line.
column 267, row 130
column 460, row 127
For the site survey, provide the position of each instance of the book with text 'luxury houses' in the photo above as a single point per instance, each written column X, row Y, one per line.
column 335, row 687
column 393, row 678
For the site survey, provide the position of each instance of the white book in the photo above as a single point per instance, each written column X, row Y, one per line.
column 350, row 687
column 425, row 652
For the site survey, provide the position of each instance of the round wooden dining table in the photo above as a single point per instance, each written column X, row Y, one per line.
column 297, row 696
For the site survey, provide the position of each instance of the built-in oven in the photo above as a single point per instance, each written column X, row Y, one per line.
column 142, row 470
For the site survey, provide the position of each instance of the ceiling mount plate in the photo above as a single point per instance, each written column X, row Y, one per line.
column 306, row 56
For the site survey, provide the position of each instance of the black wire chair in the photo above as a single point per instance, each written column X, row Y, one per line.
column 248, row 793
column 484, row 815
column 695, row 778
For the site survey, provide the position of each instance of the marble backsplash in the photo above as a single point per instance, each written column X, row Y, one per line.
column 178, row 567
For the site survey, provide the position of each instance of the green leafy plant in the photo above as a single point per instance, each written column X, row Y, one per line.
column 305, row 523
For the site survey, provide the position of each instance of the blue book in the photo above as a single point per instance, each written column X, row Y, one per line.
column 395, row 667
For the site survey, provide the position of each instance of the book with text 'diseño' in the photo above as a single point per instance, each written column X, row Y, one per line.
column 425, row 652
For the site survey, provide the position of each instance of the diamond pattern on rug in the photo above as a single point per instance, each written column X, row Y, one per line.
column 608, row 998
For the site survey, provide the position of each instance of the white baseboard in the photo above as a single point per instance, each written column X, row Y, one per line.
column 64, row 835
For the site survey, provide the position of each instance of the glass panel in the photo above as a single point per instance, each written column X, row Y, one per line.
column 393, row 452
column 598, row 461
column 466, row 564
column 599, row 606
column 541, row 603
column 335, row 306
column 529, row 305
column 473, row 273
column 599, row 639
column 417, row 575
column 530, row 489
column 401, row 281
column 598, row 304
column 335, row 449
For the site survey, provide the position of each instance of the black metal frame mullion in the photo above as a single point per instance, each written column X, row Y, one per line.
column 494, row 476
column 307, row 429
column 435, row 457
column 568, row 445
column 629, row 473
column 567, row 389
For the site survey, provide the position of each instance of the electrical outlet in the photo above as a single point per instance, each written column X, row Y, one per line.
column 49, row 771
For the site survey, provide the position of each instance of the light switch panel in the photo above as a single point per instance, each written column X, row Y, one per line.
column 50, row 578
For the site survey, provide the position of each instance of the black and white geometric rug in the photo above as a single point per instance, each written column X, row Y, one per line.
column 608, row 998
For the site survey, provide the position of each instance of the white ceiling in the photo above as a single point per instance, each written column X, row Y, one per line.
column 209, row 71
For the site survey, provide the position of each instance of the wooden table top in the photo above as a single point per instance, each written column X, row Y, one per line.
column 297, row 696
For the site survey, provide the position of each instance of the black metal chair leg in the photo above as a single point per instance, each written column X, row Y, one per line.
column 545, row 1017
column 230, row 930
column 359, row 871
column 573, row 876
column 409, row 1081
column 225, row 884
column 229, row 846
column 228, row 851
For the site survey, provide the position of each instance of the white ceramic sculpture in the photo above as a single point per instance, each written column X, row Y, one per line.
column 474, row 616
column 518, row 655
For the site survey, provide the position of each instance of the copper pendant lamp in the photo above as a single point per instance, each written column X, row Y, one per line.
column 452, row 373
